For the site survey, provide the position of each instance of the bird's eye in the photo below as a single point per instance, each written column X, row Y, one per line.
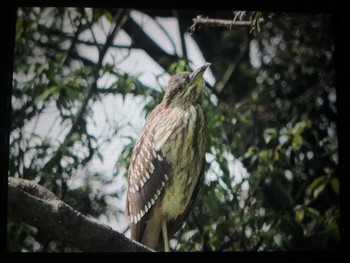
column 180, row 88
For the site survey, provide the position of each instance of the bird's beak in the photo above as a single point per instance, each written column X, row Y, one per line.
column 194, row 76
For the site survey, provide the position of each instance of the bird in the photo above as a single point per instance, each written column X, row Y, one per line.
column 168, row 161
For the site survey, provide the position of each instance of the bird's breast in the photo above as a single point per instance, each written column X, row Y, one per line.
column 185, row 150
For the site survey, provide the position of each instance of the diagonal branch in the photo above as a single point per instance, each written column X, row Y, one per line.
column 37, row 206
column 140, row 40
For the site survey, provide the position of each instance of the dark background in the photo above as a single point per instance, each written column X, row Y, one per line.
column 341, row 56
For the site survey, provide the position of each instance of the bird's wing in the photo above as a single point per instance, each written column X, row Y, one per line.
column 148, row 173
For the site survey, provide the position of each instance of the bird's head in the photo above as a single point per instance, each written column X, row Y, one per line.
column 185, row 89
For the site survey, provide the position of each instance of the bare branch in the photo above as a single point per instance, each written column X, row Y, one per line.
column 37, row 206
column 200, row 21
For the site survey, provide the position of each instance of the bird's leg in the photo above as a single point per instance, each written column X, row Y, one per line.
column 165, row 236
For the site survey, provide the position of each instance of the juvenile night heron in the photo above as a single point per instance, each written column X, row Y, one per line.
column 167, row 162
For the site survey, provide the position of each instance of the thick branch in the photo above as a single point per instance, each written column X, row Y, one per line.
column 200, row 21
column 142, row 41
column 37, row 206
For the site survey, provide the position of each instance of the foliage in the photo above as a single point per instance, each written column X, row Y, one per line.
column 271, row 181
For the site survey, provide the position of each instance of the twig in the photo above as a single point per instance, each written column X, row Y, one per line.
column 233, row 66
column 200, row 21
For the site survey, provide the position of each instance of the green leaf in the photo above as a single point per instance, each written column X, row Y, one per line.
column 312, row 212
column 335, row 185
column 72, row 94
column 297, row 142
column 189, row 234
column 299, row 215
column 48, row 92
column 264, row 155
column 179, row 66
column 319, row 184
column 250, row 152
column 269, row 134
column 244, row 118
column 109, row 16
column 318, row 190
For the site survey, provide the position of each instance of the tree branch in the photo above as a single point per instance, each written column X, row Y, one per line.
column 200, row 21
column 79, row 117
column 140, row 40
column 37, row 206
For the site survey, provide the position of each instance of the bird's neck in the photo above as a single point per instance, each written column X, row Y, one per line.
column 185, row 106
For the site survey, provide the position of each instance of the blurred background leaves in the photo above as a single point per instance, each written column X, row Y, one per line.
column 272, row 181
